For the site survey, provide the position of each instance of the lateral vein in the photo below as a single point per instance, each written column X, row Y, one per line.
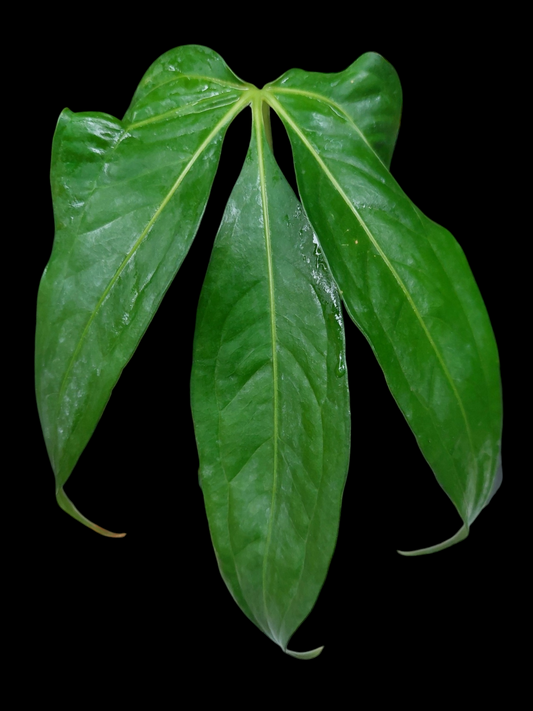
column 200, row 77
column 326, row 100
column 182, row 110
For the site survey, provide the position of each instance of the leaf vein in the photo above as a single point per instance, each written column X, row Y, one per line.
column 241, row 469
column 200, row 77
column 257, row 112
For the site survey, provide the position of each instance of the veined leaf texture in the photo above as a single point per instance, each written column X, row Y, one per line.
column 269, row 388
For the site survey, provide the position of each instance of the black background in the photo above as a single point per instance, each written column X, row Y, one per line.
column 153, row 603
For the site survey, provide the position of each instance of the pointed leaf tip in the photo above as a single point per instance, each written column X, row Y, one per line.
column 66, row 504
column 305, row 655
column 459, row 536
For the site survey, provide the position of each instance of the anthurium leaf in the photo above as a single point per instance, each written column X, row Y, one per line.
column 128, row 198
column 269, row 397
column 407, row 285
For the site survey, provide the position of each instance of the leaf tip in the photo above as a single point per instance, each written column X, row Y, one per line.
column 459, row 536
column 305, row 655
column 105, row 532
column 66, row 504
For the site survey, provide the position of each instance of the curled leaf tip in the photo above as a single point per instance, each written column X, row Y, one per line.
column 105, row 532
column 459, row 536
column 305, row 655
column 66, row 504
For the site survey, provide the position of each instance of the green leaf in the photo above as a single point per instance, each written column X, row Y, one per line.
column 405, row 283
column 269, row 386
column 270, row 403
column 128, row 198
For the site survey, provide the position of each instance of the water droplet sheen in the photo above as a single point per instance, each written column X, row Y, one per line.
column 341, row 365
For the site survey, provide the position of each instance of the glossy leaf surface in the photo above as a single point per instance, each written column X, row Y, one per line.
column 270, row 402
column 269, row 386
column 404, row 280
column 128, row 198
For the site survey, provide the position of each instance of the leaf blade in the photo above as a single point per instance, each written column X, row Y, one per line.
column 268, row 408
column 116, row 250
column 408, row 287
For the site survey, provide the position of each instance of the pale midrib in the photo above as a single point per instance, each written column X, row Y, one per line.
column 225, row 119
column 320, row 97
column 266, row 226
column 277, row 107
